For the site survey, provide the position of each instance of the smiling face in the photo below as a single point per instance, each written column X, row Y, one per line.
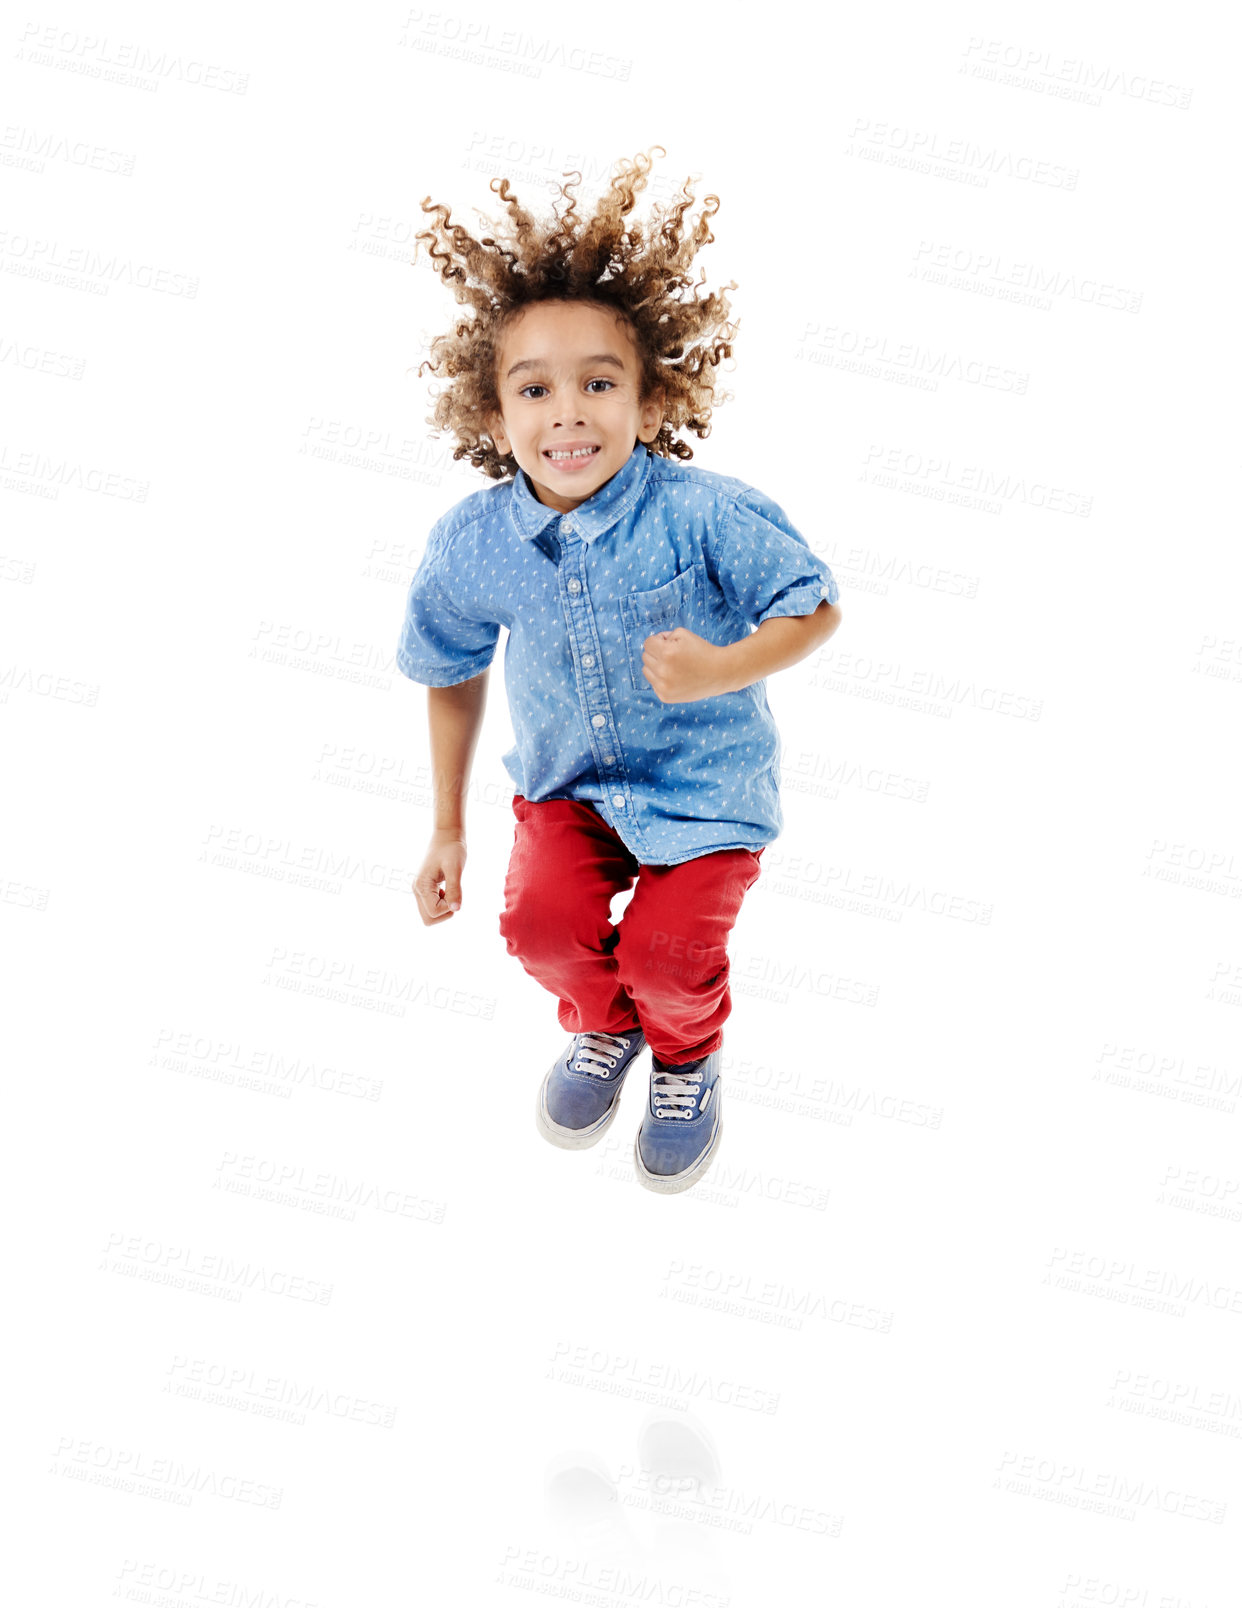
column 568, row 378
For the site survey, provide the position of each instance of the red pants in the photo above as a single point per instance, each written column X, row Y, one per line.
column 662, row 967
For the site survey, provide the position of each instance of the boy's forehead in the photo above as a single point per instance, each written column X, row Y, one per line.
column 561, row 330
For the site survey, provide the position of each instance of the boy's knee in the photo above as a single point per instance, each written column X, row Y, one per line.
column 663, row 943
column 544, row 919
column 670, row 963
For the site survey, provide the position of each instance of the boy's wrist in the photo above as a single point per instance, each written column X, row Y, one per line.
column 732, row 668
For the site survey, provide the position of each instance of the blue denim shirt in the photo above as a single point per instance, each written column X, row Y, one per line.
column 661, row 544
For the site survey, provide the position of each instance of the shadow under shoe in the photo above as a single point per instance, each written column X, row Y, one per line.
column 578, row 1097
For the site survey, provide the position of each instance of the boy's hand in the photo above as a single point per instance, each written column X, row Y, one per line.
column 445, row 860
column 683, row 667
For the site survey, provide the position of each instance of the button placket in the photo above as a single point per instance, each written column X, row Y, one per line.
column 596, row 707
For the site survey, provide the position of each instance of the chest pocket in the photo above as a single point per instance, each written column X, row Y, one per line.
column 643, row 614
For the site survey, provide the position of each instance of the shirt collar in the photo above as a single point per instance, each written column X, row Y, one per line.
column 599, row 513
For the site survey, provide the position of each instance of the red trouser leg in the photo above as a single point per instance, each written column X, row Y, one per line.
column 663, row 966
column 566, row 865
column 672, row 952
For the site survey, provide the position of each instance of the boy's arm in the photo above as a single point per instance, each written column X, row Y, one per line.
column 775, row 645
column 454, row 720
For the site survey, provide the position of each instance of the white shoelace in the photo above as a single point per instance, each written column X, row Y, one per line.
column 598, row 1053
column 671, row 1093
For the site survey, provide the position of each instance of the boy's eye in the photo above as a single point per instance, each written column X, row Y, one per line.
column 537, row 387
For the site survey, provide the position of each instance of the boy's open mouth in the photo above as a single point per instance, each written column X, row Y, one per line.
column 573, row 459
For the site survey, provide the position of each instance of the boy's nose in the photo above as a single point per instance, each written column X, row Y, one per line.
column 569, row 410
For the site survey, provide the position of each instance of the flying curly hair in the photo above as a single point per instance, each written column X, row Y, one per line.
column 681, row 338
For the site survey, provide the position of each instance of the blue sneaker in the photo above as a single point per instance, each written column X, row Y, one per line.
column 578, row 1098
column 681, row 1130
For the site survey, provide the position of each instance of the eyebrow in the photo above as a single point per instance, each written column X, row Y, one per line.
column 539, row 362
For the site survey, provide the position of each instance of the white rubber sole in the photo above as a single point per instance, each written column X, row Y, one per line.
column 674, row 1183
column 571, row 1138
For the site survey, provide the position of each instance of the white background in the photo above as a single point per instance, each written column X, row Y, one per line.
column 955, row 1318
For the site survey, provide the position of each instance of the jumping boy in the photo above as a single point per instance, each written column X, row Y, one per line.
column 646, row 755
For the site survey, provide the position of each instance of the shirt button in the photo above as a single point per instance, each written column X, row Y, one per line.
column 575, row 585
column 567, row 524
column 588, row 659
column 597, row 720
column 619, row 800
column 607, row 758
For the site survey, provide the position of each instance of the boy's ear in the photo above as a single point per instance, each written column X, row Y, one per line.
column 497, row 432
column 651, row 416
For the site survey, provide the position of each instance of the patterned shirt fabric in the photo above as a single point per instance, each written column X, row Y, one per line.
column 660, row 544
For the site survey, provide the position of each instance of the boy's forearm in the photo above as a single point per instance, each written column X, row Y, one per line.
column 454, row 720
column 778, row 643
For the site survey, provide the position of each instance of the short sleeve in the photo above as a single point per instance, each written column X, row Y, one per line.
column 441, row 645
column 765, row 567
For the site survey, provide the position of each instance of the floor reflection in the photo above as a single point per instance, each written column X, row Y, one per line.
column 654, row 1514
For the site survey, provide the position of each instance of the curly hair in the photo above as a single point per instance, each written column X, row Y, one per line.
column 680, row 339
